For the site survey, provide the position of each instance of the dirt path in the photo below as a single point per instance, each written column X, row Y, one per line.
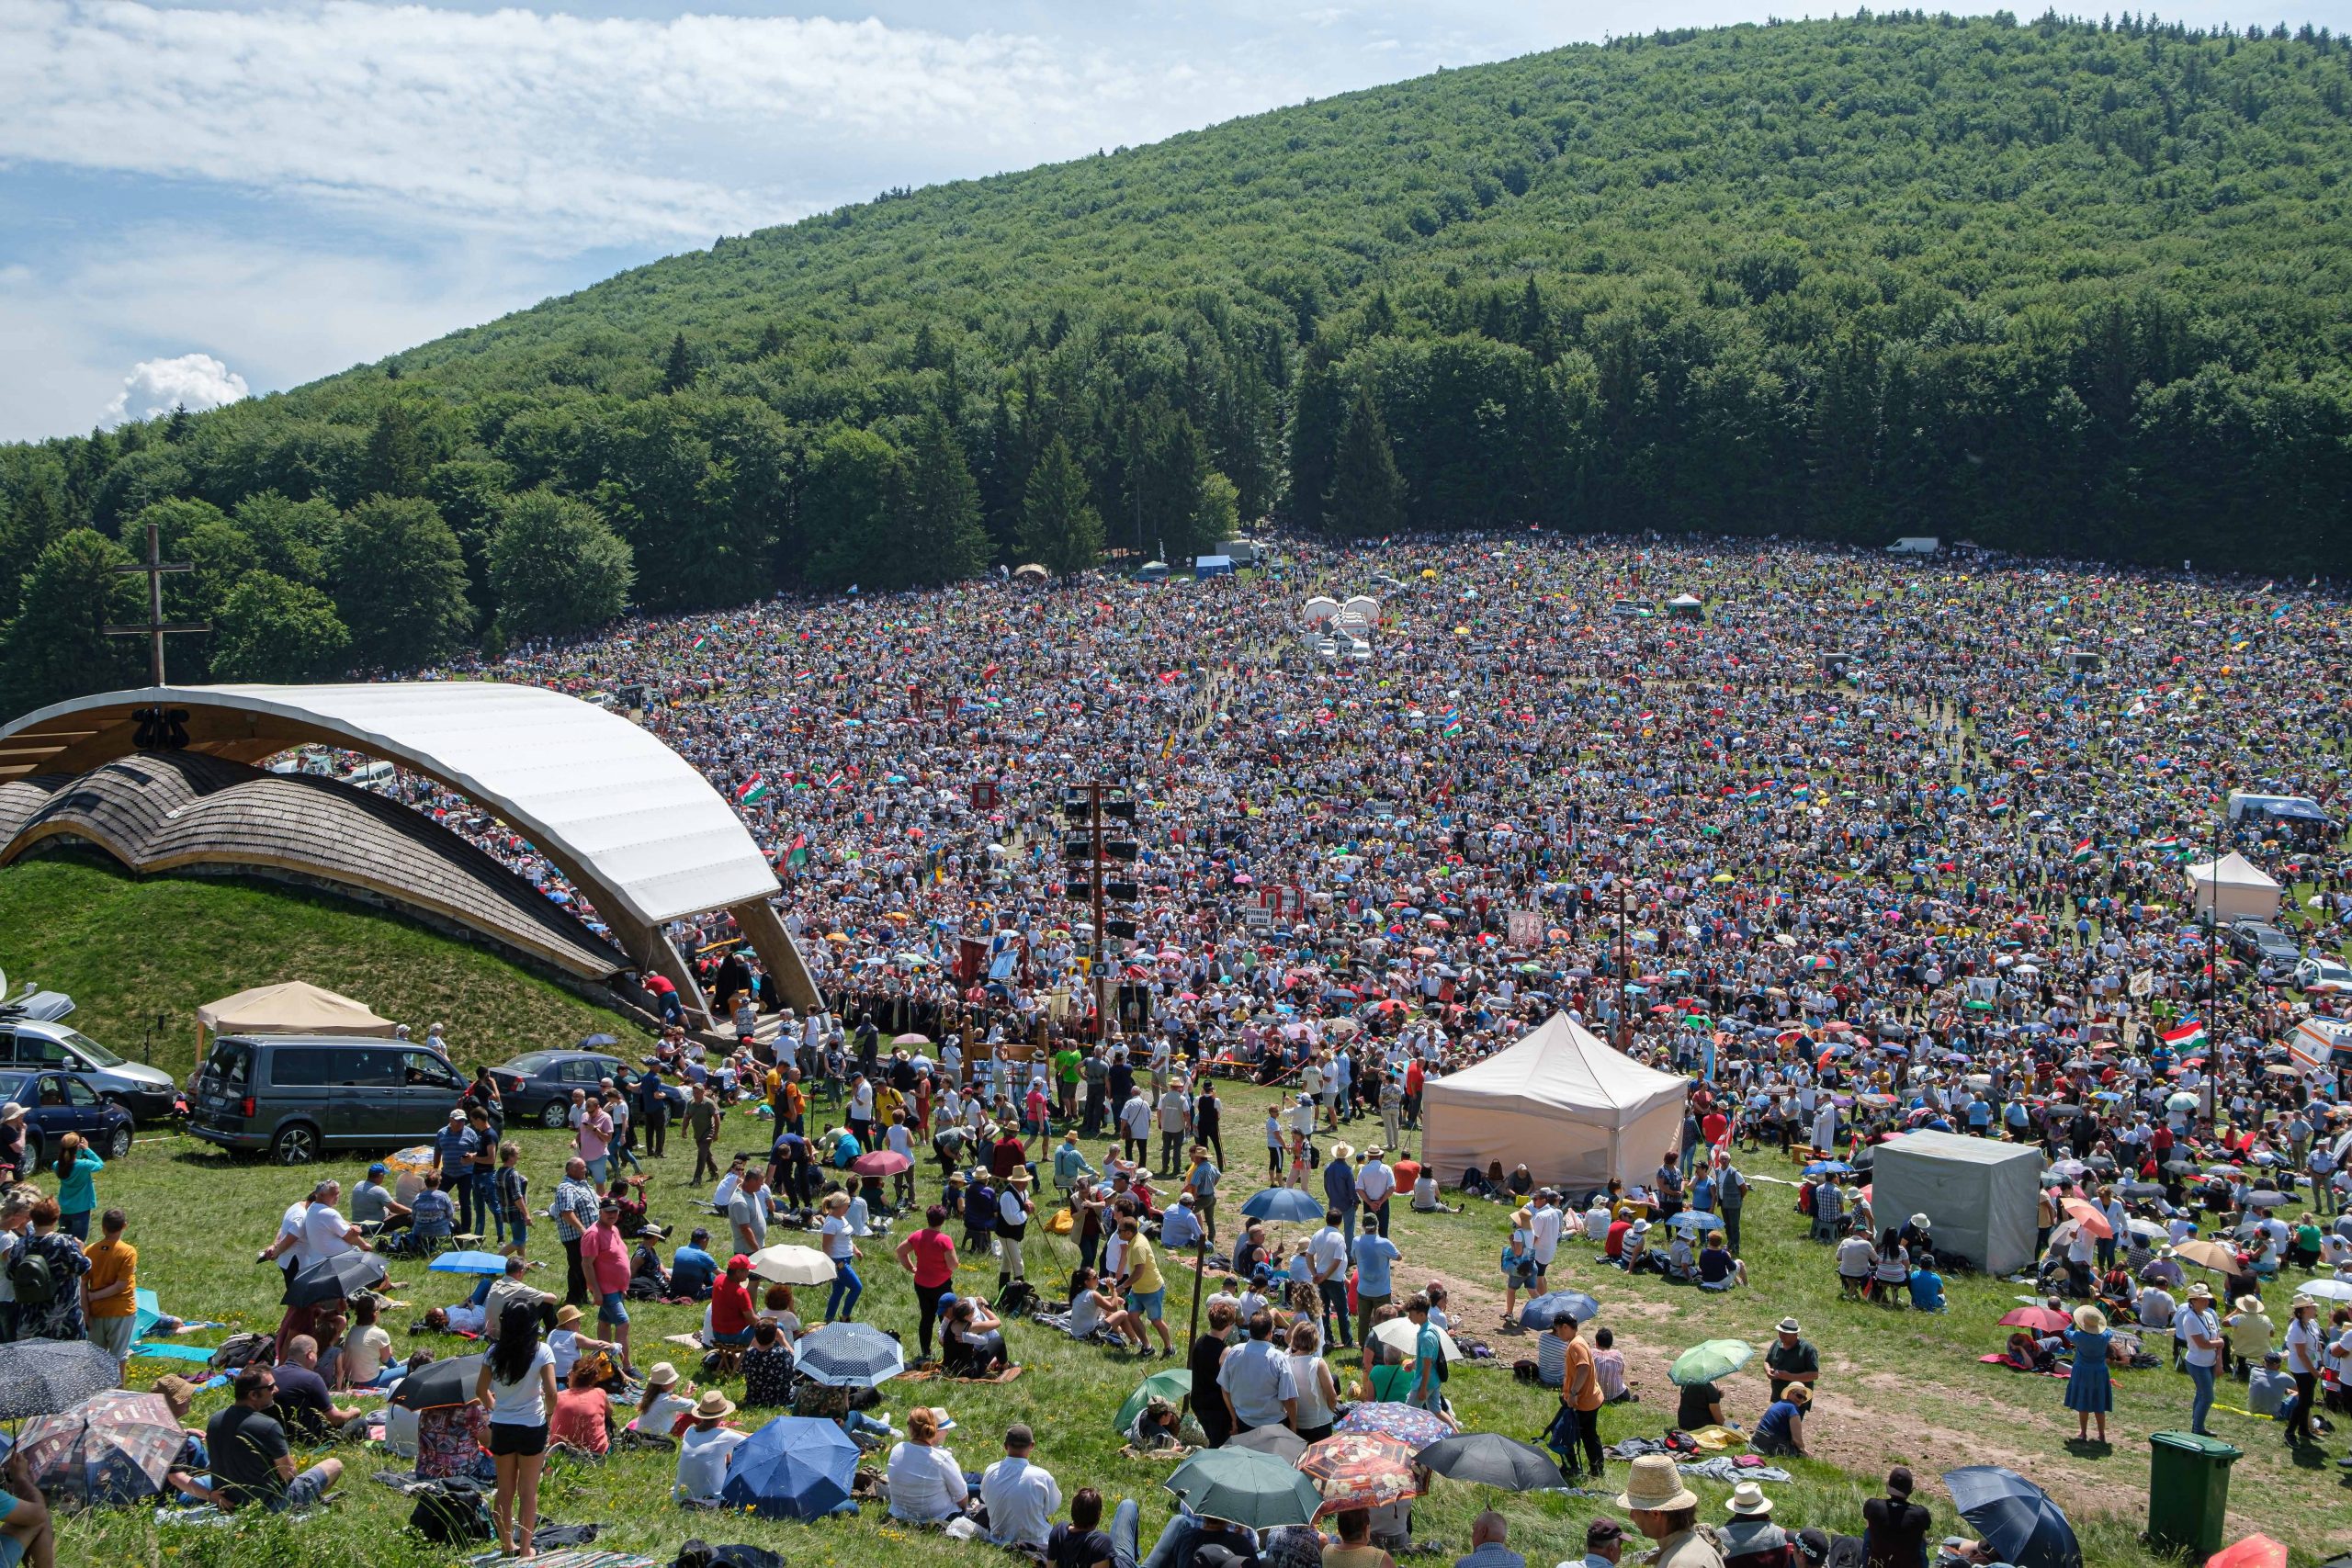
column 1940, row 1428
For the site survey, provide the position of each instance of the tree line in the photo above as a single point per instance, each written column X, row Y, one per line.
column 2064, row 287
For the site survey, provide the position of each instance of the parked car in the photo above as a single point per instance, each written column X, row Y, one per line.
column 2258, row 942
column 57, row 1104
column 2320, row 970
column 537, row 1086
column 297, row 1096
column 30, row 1041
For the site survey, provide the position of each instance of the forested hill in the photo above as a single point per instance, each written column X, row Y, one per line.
column 2074, row 289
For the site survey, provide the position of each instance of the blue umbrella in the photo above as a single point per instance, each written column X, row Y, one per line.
column 1542, row 1311
column 1830, row 1168
column 1279, row 1203
column 849, row 1355
column 793, row 1468
column 1695, row 1220
column 469, row 1263
column 2017, row 1519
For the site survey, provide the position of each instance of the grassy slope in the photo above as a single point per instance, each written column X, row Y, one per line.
column 1898, row 1387
column 128, row 949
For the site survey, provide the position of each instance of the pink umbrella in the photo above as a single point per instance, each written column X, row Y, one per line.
column 2087, row 1213
column 881, row 1162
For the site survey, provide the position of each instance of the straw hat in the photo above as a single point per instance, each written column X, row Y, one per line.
column 2249, row 1304
column 1342, row 1151
column 661, row 1374
column 1789, row 1326
column 713, row 1406
column 1747, row 1500
column 2090, row 1319
column 2201, row 1292
column 1021, row 1177
column 565, row 1316
column 1653, row 1485
column 12, row 1111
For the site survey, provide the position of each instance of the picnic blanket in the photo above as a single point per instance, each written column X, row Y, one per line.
column 1999, row 1360
column 917, row 1376
column 578, row 1557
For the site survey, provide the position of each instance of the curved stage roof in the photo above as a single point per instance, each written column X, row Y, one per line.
column 628, row 819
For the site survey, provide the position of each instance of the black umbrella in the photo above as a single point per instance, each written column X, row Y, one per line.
column 1542, row 1311
column 1490, row 1458
column 334, row 1279
column 49, row 1377
column 2017, row 1519
column 438, row 1384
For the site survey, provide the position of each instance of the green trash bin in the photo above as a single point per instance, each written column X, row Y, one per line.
column 2189, row 1492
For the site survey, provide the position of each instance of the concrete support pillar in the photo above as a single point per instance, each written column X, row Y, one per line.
column 779, row 954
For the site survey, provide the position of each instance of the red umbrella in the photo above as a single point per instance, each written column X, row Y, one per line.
column 2041, row 1320
column 2253, row 1552
column 2088, row 1215
column 881, row 1162
column 1358, row 1470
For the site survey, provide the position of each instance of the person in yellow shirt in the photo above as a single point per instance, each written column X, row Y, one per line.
column 1147, row 1291
column 110, row 1290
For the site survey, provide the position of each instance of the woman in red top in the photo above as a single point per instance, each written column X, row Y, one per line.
column 580, row 1412
column 733, row 1316
column 928, row 1255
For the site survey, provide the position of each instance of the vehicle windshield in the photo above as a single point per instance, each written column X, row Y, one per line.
column 17, row 1087
column 97, row 1054
column 529, row 1062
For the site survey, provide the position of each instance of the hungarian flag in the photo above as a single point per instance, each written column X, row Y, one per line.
column 2080, row 853
column 2190, row 1033
column 800, row 855
column 751, row 789
column 699, row 644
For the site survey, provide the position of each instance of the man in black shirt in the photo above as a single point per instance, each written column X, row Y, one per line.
column 1895, row 1529
column 251, row 1463
column 304, row 1402
column 1702, row 1405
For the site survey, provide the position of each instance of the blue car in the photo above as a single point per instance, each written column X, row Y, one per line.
column 57, row 1104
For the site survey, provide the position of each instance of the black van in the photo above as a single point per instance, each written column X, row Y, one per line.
column 298, row 1096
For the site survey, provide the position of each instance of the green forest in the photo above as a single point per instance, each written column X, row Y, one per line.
column 2073, row 288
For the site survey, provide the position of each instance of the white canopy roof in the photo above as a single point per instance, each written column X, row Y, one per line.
column 1561, row 1100
column 2233, row 870
column 294, row 1007
column 1685, row 602
column 627, row 817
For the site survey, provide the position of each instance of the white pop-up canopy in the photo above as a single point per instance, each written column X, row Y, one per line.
column 295, row 1008
column 2233, row 888
column 1561, row 1101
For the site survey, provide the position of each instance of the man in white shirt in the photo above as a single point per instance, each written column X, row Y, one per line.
column 1135, row 1126
column 1374, row 1184
column 1326, row 1254
column 1258, row 1387
column 2199, row 1332
column 1021, row 1498
column 1175, row 1125
column 1547, row 1223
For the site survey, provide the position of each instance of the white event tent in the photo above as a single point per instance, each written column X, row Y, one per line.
column 2233, row 888
column 1561, row 1101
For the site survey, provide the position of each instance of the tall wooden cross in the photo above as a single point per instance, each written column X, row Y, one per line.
column 156, row 629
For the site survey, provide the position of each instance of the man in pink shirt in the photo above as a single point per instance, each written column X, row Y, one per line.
column 603, row 1257
column 595, row 1138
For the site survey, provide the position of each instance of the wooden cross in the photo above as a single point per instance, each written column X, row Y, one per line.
column 156, row 628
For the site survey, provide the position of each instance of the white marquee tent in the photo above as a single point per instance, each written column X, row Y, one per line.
column 1562, row 1101
column 2235, row 888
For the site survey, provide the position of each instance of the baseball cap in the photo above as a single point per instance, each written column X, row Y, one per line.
column 738, row 1262
column 378, row 1168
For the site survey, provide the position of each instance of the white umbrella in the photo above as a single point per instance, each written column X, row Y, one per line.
column 793, row 1264
column 2326, row 1290
column 1400, row 1334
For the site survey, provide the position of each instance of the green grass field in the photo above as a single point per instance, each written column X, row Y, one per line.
column 133, row 950
column 1897, row 1387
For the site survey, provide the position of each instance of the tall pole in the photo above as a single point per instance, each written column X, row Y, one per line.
column 1624, row 962
column 1101, row 1010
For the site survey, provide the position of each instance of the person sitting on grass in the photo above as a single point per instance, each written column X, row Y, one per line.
column 1095, row 1314
column 1718, row 1269
column 26, row 1534
column 1681, row 1266
column 767, row 1368
column 581, row 1421
column 1781, row 1430
column 1927, row 1285
column 974, row 1342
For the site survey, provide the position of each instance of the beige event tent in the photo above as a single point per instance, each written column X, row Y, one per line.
column 1562, row 1101
column 2234, row 888
column 295, row 1008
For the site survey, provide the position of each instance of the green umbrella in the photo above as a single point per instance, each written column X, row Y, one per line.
column 1171, row 1385
column 1705, row 1363
column 1245, row 1488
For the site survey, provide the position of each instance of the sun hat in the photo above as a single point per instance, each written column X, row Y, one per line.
column 1341, row 1151
column 2249, row 1304
column 12, row 1111
column 1749, row 1501
column 1021, row 1178
column 1789, row 1326
column 1653, row 1485
column 660, row 1375
column 1919, row 1222
column 566, row 1315
column 2090, row 1319
column 713, row 1406
column 2201, row 1292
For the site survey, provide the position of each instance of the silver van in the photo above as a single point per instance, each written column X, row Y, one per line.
column 297, row 1096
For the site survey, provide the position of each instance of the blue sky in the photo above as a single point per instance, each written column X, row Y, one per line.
column 217, row 195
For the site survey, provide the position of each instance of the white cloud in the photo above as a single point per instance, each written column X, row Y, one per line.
column 156, row 386
column 563, row 129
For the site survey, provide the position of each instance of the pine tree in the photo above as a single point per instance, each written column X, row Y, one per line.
column 1367, row 493
column 939, row 508
column 1060, row 530
column 56, row 646
column 1317, row 413
column 679, row 373
column 398, row 457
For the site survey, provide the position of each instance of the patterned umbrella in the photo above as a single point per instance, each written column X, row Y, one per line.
column 850, row 1355
column 112, row 1447
column 1408, row 1424
column 43, row 1377
column 1356, row 1469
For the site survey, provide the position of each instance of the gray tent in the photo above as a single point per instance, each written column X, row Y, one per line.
column 1981, row 1197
